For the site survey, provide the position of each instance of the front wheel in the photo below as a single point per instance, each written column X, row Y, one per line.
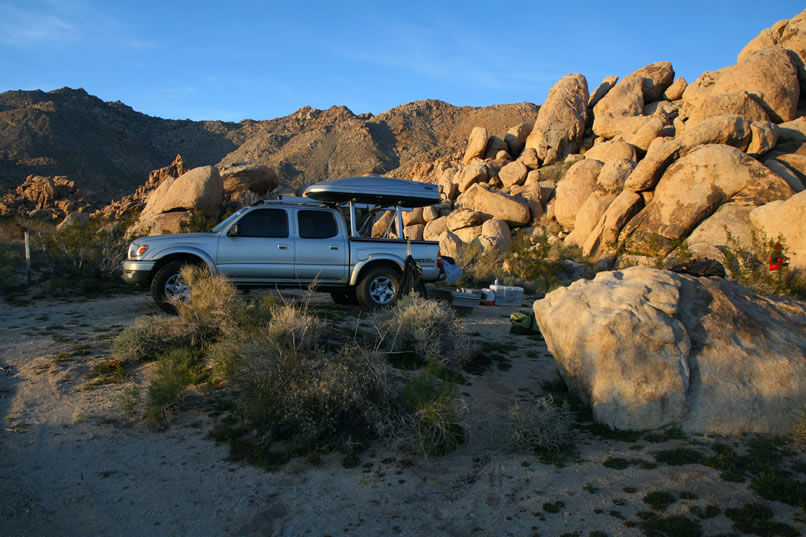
column 168, row 288
column 378, row 288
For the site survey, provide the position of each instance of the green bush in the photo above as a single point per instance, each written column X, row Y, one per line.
column 197, row 223
column 175, row 371
column 541, row 426
column 749, row 266
column 434, row 411
column 530, row 262
column 427, row 329
column 80, row 252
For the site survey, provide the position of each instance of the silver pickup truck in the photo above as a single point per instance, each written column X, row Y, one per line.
column 292, row 242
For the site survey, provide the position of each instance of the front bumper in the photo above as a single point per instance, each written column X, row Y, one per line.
column 137, row 272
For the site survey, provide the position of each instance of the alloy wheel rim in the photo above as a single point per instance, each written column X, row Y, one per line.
column 382, row 290
column 176, row 291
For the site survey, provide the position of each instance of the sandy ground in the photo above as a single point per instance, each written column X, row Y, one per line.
column 71, row 464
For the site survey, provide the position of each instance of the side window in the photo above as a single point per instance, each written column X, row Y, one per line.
column 317, row 224
column 264, row 223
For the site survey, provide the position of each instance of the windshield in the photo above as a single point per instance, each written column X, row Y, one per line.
column 227, row 221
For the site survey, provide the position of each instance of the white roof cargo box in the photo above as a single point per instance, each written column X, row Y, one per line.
column 376, row 190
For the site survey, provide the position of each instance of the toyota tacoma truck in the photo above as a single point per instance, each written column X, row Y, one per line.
column 297, row 241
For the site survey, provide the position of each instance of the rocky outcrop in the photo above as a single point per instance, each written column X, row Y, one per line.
column 476, row 144
column 609, row 184
column 611, row 150
column 768, row 75
column 693, row 188
column 728, row 226
column 621, row 110
column 242, row 178
column 198, row 190
column 573, row 191
column 44, row 197
column 789, row 35
column 561, row 120
column 736, row 101
column 649, row 348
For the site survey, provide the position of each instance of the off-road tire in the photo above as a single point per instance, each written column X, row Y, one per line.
column 378, row 288
column 166, row 285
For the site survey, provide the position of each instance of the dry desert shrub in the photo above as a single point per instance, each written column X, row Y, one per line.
column 427, row 328
column 214, row 300
column 317, row 400
column 151, row 336
column 543, row 425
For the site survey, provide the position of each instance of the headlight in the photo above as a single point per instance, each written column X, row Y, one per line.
column 136, row 250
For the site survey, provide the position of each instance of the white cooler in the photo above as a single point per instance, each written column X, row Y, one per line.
column 507, row 295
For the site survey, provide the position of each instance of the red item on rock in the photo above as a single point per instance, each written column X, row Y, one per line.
column 777, row 258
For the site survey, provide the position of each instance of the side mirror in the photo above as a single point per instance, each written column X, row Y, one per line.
column 233, row 231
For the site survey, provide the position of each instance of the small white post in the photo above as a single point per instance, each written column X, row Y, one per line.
column 27, row 257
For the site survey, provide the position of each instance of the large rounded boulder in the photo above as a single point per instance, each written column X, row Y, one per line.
column 649, row 348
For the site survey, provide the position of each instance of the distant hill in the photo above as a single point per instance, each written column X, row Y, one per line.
column 108, row 148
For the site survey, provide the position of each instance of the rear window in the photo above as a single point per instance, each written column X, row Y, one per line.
column 264, row 223
column 317, row 224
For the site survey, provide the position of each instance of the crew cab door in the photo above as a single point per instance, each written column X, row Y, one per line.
column 258, row 247
column 321, row 247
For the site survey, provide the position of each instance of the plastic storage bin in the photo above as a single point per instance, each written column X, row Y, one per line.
column 507, row 295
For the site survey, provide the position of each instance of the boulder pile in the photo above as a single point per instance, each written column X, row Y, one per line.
column 645, row 163
column 50, row 198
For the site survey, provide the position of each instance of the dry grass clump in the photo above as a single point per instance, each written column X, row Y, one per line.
column 432, row 414
column 427, row 328
column 151, row 336
column 542, row 426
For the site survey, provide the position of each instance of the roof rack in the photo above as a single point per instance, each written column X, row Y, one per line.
column 296, row 200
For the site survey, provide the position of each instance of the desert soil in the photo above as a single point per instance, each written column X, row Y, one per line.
column 73, row 463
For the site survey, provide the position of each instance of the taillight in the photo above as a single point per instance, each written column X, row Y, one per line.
column 439, row 260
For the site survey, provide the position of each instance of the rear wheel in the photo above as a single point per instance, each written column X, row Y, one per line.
column 379, row 287
column 168, row 288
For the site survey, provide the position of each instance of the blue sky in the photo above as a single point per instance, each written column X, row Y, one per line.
column 247, row 59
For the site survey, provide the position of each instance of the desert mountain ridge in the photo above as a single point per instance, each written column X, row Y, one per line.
column 108, row 148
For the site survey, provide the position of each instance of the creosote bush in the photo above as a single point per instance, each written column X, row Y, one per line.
column 427, row 328
column 541, row 426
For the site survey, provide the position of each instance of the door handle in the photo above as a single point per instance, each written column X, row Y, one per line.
column 282, row 247
column 334, row 248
